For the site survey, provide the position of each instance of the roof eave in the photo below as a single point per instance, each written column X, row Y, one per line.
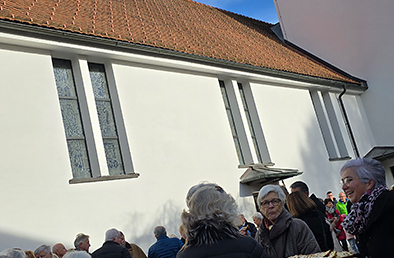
column 37, row 31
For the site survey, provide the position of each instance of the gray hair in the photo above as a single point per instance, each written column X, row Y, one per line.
column 194, row 188
column 77, row 254
column 159, row 231
column 257, row 215
column 79, row 239
column 12, row 253
column 111, row 234
column 265, row 190
column 367, row 169
column 211, row 210
column 45, row 248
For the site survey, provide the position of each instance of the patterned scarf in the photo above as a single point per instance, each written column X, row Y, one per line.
column 331, row 210
column 358, row 217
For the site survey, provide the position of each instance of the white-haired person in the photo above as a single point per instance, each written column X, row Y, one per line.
column 112, row 247
column 43, row 251
column 77, row 254
column 210, row 226
column 371, row 216
column 280, row 234
column 257, row 219
column 12, row 253
column 81, row 242
column 59, row 250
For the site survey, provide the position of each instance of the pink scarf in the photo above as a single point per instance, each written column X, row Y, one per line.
column 358, row 217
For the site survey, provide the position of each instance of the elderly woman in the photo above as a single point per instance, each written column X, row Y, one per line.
column 210, row 226
column 280, row 234
column 371, row 216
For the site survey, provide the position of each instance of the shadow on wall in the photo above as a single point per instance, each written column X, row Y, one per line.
column 139, row 229
column 320, row 179
column 9, row 241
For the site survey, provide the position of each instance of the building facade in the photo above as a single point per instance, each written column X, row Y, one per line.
column 111, row 112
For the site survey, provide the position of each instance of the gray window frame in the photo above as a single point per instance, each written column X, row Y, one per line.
column 96, row 174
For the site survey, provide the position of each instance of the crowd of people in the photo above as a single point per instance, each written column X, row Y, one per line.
column 287, row 224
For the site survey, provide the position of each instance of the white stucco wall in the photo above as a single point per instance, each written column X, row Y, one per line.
column 355, row 36
column 178, row 134
column 294, row 138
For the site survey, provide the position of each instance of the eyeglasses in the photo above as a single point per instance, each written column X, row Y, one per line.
column 274, row 202
column 346, row 181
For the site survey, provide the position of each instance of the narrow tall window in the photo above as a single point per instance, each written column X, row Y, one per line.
column 106, row 119
column 329, row 125
column 250, row 123
column 232, row 123
column 71, row 114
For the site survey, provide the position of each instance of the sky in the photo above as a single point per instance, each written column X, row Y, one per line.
column 263, row 10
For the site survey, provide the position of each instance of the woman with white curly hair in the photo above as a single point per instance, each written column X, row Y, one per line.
column 210, row 225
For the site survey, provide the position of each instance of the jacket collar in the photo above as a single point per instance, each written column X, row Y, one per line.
column 281, row 224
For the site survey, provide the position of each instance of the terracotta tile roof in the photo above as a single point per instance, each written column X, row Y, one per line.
column 179, row 25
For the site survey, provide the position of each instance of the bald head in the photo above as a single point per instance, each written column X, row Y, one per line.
column 59, row 249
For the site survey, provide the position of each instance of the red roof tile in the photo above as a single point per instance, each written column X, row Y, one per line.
column 180, row 25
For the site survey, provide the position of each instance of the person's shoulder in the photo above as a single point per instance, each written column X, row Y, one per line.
column 386, row 199
column 299, row 224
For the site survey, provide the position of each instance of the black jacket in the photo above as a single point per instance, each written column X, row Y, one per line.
column 320, row 229
column 252, row 228
column 320, row 205
column 241, row 247
column 378, row 237
column 111, row 249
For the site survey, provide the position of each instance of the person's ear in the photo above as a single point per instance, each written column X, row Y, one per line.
column 371, row 184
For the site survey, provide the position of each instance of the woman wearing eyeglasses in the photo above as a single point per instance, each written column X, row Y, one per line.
column 280, row 234
column 372, row 213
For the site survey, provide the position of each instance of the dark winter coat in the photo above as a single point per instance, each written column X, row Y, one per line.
column 251, row 228
column 240, row 247
column 320, row 229
column 111, row 249
column 378, row 238
column 165, row 247
column 288, row 236
column 320, row 205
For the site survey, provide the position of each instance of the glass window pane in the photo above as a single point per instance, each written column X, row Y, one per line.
column 231, row 122
column 71, row 118
column 79, row 159
column 239, row 152
column 64, row 78
column 97, row 76
column 106, row 119
column 72, row 121
column 225, row 99
column 114, row 159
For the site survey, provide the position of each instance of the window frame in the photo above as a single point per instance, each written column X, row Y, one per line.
column 329, row 125
column 246, row 127
column 83, row 85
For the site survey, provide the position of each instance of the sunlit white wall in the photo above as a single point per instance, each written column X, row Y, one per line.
column 354, row 35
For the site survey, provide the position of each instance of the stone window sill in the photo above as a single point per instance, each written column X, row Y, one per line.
column 103, row 178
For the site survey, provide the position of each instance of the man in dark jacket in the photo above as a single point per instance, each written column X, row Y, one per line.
column 111, row 247
column 249, row 226
column 303, row 187
column 165, row 247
